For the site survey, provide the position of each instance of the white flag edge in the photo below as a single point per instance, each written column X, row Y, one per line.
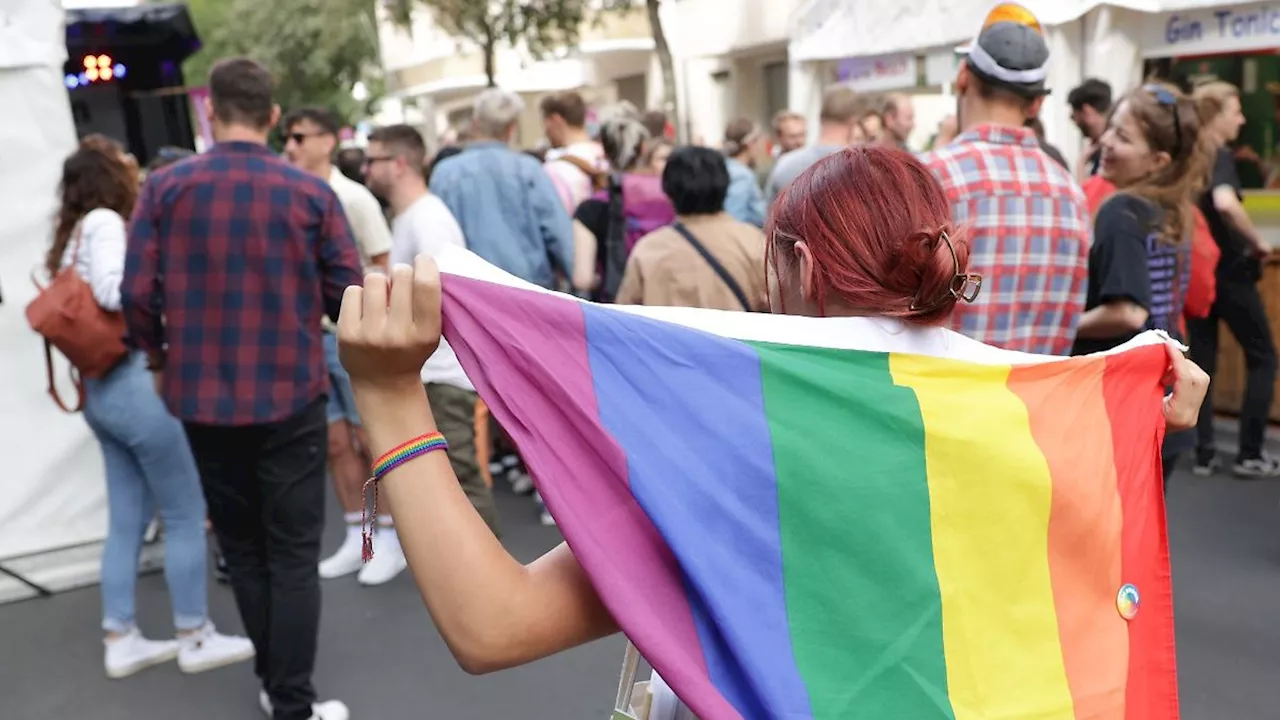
column 843, row 333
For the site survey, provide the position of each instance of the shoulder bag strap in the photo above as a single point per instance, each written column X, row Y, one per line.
column 53, row 388
column 715, row 265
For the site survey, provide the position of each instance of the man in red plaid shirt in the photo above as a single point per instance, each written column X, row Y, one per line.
column 233, row 257
column 1028, row 219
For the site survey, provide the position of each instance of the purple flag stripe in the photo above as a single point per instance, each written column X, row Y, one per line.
column 538, row 355
column 689, row 409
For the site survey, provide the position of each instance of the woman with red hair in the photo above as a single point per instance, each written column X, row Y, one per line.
column 864, row 232
column 867, row 232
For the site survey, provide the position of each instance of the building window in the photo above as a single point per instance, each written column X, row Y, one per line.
column 459, row 119
column 634, row 89
column 776, row 88
column 722, row 102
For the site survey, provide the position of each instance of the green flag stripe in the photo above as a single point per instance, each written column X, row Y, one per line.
column 862, row 594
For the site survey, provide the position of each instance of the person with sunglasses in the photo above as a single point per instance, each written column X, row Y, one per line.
column 1156, row 155
column 422, row 224
column 311, row 139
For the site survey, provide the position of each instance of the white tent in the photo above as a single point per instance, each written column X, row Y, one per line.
column 52, row 497
column 1087, row 38
column 866, row 29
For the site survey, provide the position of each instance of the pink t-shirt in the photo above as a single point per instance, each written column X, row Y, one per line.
column 572, row 185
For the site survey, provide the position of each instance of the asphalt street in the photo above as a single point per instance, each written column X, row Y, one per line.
column 380, row 653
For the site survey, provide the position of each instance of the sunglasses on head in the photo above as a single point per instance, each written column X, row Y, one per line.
column 1166, row 98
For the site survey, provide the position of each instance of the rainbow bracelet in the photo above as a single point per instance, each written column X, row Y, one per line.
column 388, row 461
column 404, row 452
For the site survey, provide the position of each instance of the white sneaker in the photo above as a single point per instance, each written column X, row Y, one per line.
column 345, row 561
column 545, row 516
column 521, row 483
column 388, row 559
column 130, row 653
column 1263, row 466
column 207, row 649
column 327, row 710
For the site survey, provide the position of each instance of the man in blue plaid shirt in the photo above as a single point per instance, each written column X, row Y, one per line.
column 233, row 258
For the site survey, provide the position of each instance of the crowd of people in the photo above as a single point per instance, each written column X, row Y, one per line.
column 988, row 235
column 230, row 266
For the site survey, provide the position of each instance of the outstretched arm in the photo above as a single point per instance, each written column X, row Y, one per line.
column 493, row 612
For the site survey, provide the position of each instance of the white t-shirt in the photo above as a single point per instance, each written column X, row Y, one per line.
column 428, row 227
column 364, row 215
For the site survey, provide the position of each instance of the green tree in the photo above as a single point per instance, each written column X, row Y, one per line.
column 542, row 25
column 663, row 51
column 317, row 49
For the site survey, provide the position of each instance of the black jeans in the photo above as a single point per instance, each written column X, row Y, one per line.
column 1239, row 305
column 265, row 487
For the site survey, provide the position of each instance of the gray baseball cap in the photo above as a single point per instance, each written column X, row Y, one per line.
column 1010, row 52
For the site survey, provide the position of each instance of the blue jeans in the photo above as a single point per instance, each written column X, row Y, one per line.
column 149, row 467
column 342, row 399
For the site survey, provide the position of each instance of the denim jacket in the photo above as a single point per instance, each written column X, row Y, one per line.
column 744, row 201
column 508, row 210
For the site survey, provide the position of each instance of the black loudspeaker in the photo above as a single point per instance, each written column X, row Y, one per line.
column 124, row 75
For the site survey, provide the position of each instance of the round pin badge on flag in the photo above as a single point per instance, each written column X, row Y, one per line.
column 1128, row 601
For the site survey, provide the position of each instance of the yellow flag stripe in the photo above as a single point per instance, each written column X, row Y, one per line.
column 990, row 494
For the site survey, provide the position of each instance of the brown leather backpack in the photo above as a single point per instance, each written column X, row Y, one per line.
column 69, row 318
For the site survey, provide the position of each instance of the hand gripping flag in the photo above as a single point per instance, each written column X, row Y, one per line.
column 839, row 518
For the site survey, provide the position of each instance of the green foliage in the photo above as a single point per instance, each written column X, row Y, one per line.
column 541, row 25
column 317, row 49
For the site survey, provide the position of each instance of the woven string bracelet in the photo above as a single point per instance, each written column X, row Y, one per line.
column 390, row 460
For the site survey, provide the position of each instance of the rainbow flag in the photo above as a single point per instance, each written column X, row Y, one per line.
column 841, row 518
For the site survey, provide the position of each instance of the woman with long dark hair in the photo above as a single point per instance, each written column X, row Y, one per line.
column 1140, row 263
column 149, row 466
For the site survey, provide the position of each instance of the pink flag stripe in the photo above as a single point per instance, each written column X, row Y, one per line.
column 538, row 355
